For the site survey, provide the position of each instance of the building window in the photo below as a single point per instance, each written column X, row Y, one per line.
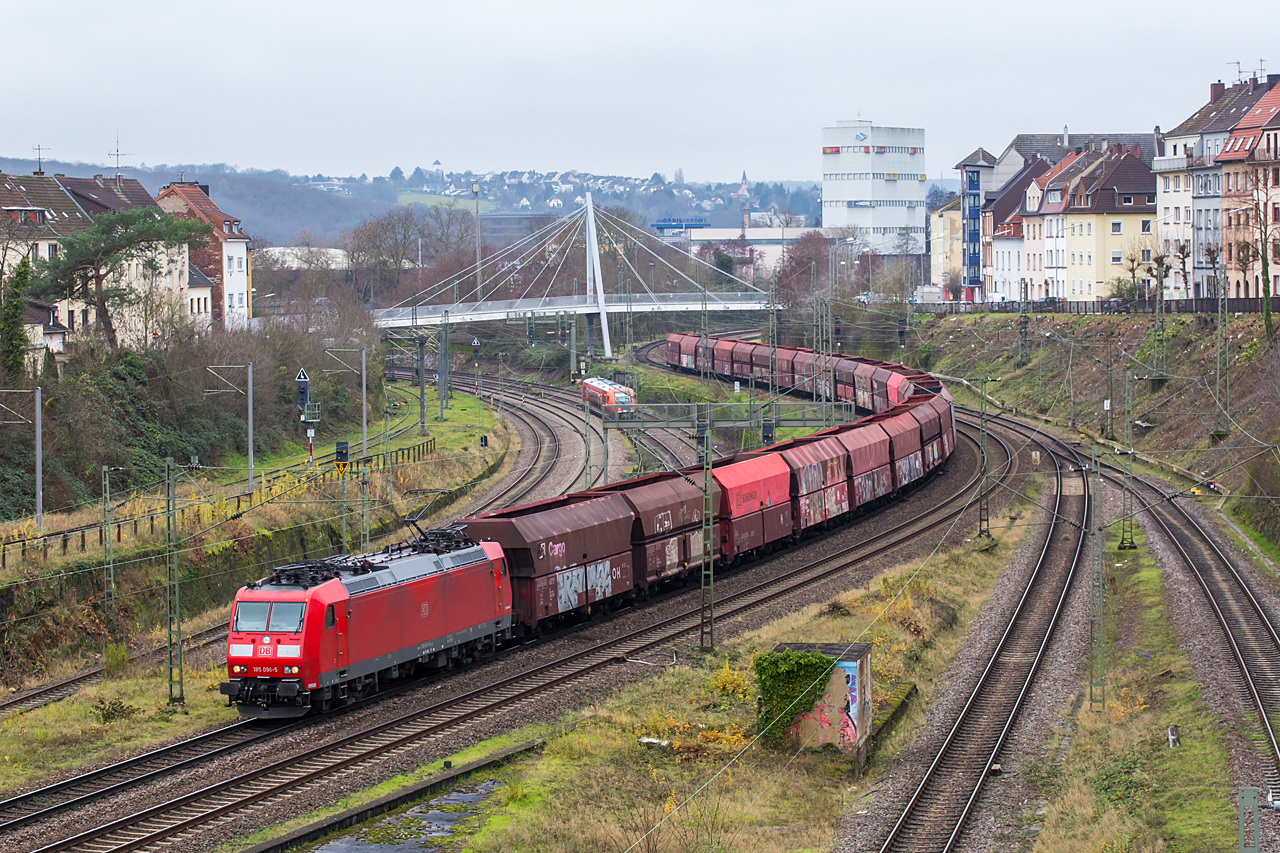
column 1146, row 226
column 1115, row 256
column 1115, row 226
column 239, row 264
column 231, row 300
column 35, row 251
column 1166, row 179
column 53, row 249
column 1091, row 258
column 1177, row 183
column 1126, row 199
column 241, row 300
column 1146, row 256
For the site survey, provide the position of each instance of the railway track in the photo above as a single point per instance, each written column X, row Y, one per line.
column 37, row 697
column 173, row 823
column 51, row 799
column 936, row 813
column 1247, row 628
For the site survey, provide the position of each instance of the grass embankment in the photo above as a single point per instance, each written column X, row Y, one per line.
column 1120, row 787
column 596, row 787
column 108, row 720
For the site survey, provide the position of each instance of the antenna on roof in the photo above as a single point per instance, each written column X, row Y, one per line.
column 1262, row 68
column 1239, row 72
column 117, row 154
column 40, row 149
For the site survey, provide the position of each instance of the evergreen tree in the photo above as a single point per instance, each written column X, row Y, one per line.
column 13, row 337
column 50, row 372
column 92, row 264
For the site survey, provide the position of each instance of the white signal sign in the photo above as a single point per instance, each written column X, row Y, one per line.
column 302, row 375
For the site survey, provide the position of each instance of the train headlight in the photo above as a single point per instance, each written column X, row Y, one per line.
column 290, row 670
column 237, row 668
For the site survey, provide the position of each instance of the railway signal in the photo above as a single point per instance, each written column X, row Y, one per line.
column 304, row 388
column 475, row 349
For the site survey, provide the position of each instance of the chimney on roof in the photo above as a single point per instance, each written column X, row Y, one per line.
column 1216, row 90
column 1253, row 84
column 38, row 173
column 1064, row 137
column 1104, row 144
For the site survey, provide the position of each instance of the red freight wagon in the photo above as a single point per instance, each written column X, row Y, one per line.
column 870, row 468
column 904, row 446
column 786, row 378
column 805, row 367
column 930, row 439
column 862, row 386
column 845, row 383
column 880, row 390
column 666, row 536
column 689, row 352
column 673, row 350
column 723, row 354
column 760, row 362
column 947, row 420
column 565, row 553
column 819, row 483
column 742, row 359
column 755, row 502
column 899, row 389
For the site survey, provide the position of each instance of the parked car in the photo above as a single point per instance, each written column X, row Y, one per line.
column 1045, row 303
column 1116, row 306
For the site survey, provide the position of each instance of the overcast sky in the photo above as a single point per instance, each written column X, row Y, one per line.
column 710, row 86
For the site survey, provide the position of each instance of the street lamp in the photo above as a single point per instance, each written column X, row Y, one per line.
column 475, row 191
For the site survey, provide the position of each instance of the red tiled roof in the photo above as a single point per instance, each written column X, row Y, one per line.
column 1246, row 134
column 202, row 207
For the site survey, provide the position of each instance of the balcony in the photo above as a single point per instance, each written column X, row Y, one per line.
column 1179, row 163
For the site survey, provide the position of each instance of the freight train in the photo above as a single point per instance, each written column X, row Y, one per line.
column 322, row 633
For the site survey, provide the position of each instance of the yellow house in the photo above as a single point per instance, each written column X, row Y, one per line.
column 1110, row 227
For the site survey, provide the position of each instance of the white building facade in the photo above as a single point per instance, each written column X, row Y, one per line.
column 873, row 178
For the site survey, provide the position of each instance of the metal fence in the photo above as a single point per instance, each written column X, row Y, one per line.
column 1201, row 305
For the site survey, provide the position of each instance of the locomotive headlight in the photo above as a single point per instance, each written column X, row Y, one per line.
column 237, row 668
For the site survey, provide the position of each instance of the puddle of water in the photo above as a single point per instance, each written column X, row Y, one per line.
column 420, row 828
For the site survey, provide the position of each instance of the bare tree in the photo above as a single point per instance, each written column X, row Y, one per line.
column 1182, row 252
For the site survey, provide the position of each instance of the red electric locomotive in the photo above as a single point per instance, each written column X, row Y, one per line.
column 318, row 634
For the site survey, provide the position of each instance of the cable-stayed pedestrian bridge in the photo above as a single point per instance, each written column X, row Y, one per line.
column 553, row 306
column 528, row 280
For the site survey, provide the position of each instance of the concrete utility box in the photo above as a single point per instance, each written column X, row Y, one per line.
column 842, row 714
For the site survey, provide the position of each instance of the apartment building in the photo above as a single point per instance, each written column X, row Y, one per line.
column 873, row 178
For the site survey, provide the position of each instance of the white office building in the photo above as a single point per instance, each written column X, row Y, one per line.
column 874, row 178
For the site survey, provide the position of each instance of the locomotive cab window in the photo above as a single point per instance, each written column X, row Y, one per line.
column 328, row 617
column 503, row 564
column 251, row 616
column 286, row 616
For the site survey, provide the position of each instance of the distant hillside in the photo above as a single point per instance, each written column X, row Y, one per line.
column 267, row 204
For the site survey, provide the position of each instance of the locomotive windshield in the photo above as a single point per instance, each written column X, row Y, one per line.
column 251, row 616
column 623, row 399
column 286, row 616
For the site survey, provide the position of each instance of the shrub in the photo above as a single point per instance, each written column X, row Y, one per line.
column 116, row 659
column 789, row 682
column 116, row 709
